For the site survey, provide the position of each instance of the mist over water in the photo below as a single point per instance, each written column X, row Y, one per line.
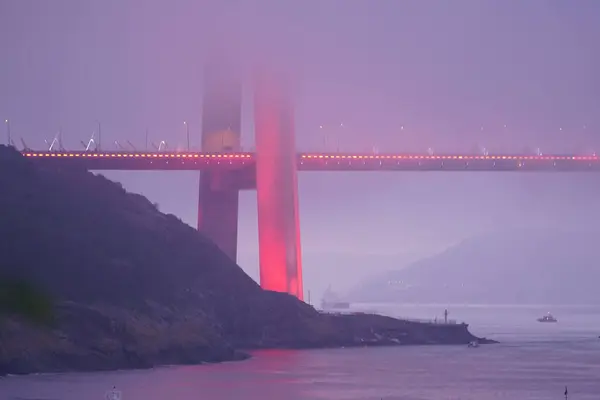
column 534, row 361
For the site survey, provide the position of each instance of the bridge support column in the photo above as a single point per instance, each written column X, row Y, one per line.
column 218, row 211
column 277, row 188
column 221, row 126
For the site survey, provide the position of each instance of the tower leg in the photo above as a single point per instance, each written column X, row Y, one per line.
column 218, row 212
column 277, row 189
column 221, row 126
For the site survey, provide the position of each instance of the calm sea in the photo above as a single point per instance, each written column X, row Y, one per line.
column 534, row 361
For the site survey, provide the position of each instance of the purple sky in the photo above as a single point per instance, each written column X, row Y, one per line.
column 398, row 74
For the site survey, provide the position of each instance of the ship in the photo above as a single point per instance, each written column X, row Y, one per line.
column 547, row 318
column 331, row 301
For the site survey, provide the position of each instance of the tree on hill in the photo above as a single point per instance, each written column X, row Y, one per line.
column 18, row 297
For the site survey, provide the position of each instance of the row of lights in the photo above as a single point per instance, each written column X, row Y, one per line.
column 306, row 156
column 134, row 155
column 447, row 157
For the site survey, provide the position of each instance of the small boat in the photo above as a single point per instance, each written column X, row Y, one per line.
column 474, row 343
column 547, row 318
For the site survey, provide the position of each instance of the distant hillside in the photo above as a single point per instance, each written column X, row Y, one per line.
column 532, row 267
column 133, row 287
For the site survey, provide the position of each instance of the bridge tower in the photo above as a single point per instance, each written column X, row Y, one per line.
column 221, row 127
column 275, row 177
column 277, row 186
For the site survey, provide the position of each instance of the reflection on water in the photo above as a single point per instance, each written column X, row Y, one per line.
column 534, row 361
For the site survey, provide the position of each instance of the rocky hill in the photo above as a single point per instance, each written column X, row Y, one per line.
column 133, row 287
column 514, row 267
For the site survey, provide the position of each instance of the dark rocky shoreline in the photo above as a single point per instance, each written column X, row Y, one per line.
column 62, row 350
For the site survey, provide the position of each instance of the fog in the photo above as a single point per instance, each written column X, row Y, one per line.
column 393, row 75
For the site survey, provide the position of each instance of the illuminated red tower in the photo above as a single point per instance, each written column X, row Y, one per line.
column 277, row 186
column 221, row 126
column 275, row 176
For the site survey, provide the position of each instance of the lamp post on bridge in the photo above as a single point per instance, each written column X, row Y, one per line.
column 324, row 138
column 99, row 144
column 60, row 141
column 8, row 139
column 338, row 137
column 187, row 134
column 328, row 141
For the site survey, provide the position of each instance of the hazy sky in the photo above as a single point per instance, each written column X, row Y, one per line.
column 399, row 74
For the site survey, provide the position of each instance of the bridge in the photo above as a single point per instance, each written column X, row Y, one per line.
column 272, row 169
column 198, row 161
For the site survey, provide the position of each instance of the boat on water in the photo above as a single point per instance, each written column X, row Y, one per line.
column 547, row 318
column 473, row 344
column 332, row 302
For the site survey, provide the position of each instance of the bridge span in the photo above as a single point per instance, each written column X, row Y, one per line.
column 200, row 161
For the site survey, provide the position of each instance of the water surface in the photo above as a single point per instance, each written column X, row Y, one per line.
column 534, row 361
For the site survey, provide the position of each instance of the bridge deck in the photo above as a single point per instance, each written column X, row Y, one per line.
column 319, row 162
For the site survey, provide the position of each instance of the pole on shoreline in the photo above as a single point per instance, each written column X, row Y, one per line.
column 8, row 138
